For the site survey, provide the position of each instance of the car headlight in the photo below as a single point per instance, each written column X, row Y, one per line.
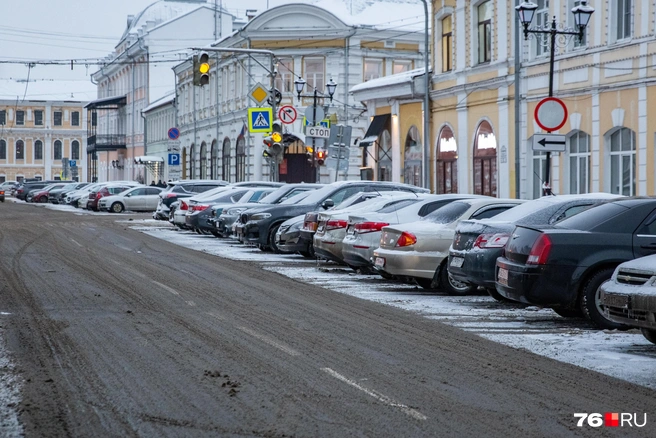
column 234, row 211
column 260, row 216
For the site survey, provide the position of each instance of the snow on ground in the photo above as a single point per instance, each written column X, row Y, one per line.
column 9, row 390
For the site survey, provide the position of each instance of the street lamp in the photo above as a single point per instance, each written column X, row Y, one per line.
column 331, row 86
column 582, row 13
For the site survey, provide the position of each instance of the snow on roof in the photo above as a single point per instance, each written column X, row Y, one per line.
column 167, row 98
column 385, row 81
column 402, row 15
column 47, row 89
column 160, row 11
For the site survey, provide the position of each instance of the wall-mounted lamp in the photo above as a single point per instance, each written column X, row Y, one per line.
column 116, row 164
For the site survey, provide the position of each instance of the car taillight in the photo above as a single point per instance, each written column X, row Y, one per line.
column 485, row 241
column 334, row 224
column 540, row 251
column 183, row 206
column 369, row 227
column 171, row 195
column 199, row 207
column 406, row 239
column 311, row 226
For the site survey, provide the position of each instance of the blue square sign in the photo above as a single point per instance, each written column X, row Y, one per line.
column 174, row 159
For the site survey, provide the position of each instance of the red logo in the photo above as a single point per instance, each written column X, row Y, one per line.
column 611, row 419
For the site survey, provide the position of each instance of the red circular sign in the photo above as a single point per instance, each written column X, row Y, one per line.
column 287, row 114
column 550, row 114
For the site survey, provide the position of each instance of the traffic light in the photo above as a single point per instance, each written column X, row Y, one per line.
column 266, row 154
column 321, row 157
column 276, row 136
column 201, row 69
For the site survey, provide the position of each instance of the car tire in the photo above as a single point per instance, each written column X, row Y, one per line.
column 452, row 286
column 497, row 296
column 649, row 334
column 216, row 234
column 117, row 207
column 43, row 199
column 590, row 301
column 569, row 313
column 272, row 239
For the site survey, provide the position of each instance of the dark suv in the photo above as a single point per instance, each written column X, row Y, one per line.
column 260, row 224
column 182, row 189
column 25, row 188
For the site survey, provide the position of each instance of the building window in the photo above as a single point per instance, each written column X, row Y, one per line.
column 214, row 158
column 75, row 118
column 622, row 162
column 373, row 69
column 3, row 117
column 38, row 150
column 384, row 156
column 20, row 150
column 485, row 32
column 203, row 160
column 447, row 43
column 285, row 78
column 412, row 158
column 192, row 161
column 447, row 162
column 75, row 150
column 579, row 163
column 38, row 117
column 3, row 150
column 225, row 160
column 623, row 14
column 241, row 160
column 314, row 74
column 539, row 172
column 58, row 118
column 58, row 150
column 20, row 117
column 485, row 161
column 401, row 66
column 542, row 22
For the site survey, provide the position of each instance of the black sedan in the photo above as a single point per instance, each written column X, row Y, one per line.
column 563, row 266
column 478, row 243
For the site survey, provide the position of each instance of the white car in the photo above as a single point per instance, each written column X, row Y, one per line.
column 136, row 199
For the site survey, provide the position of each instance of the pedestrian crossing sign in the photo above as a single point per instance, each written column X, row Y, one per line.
column 259, row 119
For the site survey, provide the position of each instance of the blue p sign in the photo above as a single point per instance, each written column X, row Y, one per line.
column 174, row 159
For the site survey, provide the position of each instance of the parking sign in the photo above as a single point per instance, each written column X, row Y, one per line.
column 174, row 159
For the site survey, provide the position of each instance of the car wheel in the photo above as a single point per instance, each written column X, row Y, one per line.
column 591, row 303
column 497, row 296
column 216, row 234
column 452, row 286
column 204, row 231
column 43, row 199
column 650, row 334
column 569, row 313
column 117, row 207
column 272, row 239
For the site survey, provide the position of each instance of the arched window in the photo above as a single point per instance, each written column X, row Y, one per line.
column 38, row 150
column 579, row 162
column 485, row 160
column 447, row 162
column 184, row 163
column 192, row 162
column 58, row 150
column 385, row 156
column 20, row 150
column 3, row 150
column 225, row 161
column 412, row 158
column 203, row 160
column 214, row 158
column 241, row 159
column 622, row 162
column 75, row 150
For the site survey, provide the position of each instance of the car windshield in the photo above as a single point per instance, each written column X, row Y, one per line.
column 396, row 205
column 521, row 211
column 298, row 198
column 317, row 196
column 448, row 213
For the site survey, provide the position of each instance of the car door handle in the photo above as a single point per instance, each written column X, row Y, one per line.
column 649, row 246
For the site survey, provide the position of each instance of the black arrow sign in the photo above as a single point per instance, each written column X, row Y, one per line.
column 544, row 142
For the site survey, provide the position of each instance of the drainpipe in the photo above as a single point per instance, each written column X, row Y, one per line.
column 518, row 66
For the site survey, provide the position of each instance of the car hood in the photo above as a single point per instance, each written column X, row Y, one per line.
column 646, row 264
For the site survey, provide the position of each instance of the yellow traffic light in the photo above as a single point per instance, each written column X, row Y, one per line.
column 276, row 137
column 204, row 68
column 201, row 66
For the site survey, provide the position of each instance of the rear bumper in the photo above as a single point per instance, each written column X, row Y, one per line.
column 408, row 263
column 478, row 266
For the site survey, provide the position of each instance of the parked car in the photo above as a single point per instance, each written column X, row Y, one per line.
column 81, row 195
column 101, row 192
column 182, row 189
column 419, row 250
column 261, row 224
column 2, row 194
column 58, row 196
column 134, row 199
column 41, row 195
column 8, row 186
column 562, row 266
column 364, row 229
column 629, row 297
column 288, row 238
column 478, row 243
column 28, row 186
column 224, row 222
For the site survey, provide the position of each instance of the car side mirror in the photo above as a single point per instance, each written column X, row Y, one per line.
column 128, row 195
column 328, row 203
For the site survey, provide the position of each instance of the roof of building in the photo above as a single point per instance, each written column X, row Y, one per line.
column 47, row 89
column 167, row 98
column 386, row 81
column 160, row 11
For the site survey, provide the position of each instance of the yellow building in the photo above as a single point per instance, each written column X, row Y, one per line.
column 36, row 136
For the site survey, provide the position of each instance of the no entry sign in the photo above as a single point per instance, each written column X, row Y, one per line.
column 550, row 114
column 287, row 114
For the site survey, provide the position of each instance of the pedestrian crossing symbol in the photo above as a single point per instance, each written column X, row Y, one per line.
column 259, row 119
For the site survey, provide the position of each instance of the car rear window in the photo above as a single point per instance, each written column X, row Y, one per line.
column 396, row 205
column 525, row 209
column 448, row 213
column 587, row 220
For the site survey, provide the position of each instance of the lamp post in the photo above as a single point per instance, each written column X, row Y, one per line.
column 427, row 87
column 331, row 86
column 582, row 14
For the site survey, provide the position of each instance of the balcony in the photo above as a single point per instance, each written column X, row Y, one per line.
column 105, row 142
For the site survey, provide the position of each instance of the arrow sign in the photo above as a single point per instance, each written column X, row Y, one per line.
column 549, row 142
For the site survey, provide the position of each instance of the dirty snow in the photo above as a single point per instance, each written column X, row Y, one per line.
column 9, row 389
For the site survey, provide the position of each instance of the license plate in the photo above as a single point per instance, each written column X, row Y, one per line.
column 457, row 262
column 502, row 277
column 320, row 229
column 350, row 230
column 380, row 262
column 612, row 300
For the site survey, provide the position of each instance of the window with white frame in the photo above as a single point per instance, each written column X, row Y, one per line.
column 285, row 77
column 623, row 19
column 485, row 32
column 224, row 84
column 75, row 150
column 583, row 41
column 579, row 163
column 38, row 150
column 539, row 172
column 447, row 43
column 373, row 69
column 58, row 150
column 542, row 22
column 3, row 150
column 314, row 69
column 401, row 66
column 622, row 162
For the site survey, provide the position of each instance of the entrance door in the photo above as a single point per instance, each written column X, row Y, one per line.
column 296, row 169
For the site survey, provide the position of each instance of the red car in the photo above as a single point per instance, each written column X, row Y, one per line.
column 94, row 197
column 40, row 196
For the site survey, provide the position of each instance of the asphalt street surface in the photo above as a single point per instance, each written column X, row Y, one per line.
column 116, row 333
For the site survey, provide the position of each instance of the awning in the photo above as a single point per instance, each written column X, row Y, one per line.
column 148, row 159
column 376, row 126
column 291, row 137
column 114, row 102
